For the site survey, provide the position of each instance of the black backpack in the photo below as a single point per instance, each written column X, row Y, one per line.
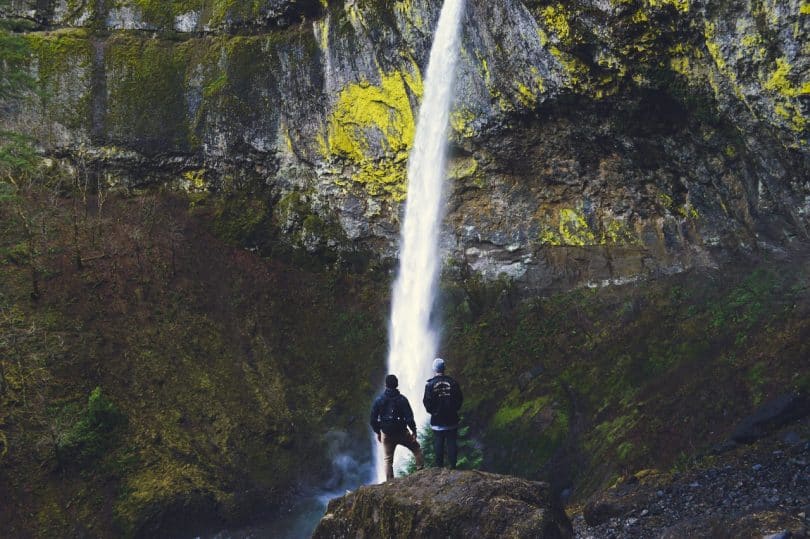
column 391, row 420
column 444, row 402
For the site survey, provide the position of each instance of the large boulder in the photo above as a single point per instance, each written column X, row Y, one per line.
column 448, row 503
column 771, row 415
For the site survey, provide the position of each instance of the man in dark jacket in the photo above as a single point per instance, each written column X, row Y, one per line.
column 391, row 417
column 443, row 400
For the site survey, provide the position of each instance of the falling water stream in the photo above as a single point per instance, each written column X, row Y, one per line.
column 413, row 340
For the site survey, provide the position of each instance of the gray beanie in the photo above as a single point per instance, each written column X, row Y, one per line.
column 438, row 365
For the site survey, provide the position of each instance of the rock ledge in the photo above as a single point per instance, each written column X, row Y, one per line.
column 448, row 503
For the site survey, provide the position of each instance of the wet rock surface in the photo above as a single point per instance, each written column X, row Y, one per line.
column 755, row 491
column 447, row 503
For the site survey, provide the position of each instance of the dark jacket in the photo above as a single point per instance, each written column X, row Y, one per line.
column 402, row 409
column 443, row 400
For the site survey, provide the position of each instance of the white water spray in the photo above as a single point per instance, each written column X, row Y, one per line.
column 412, row 340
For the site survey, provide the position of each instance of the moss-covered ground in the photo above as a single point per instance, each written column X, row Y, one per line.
column 175, row 380
column 592, row 384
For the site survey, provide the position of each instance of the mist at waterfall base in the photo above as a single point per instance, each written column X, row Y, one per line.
column 413, row 341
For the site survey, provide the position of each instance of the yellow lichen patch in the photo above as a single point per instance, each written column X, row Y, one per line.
column 384, row 178
column 751, row 40
column 403, row 6
column 710, row 33
column 687, row 211
column 464, row 167
column 542, row 36
column 681, row 60
column 617, row 233
column 194, row 180
column 786, row 108
column 571, row 228
column 680, row 64
column 382, row 113
column 680, row 5
column 528, row 95
column 713, row 46
column 487, row 76
column 804, row 8
column 405, row 9
column 640, row 79
column 767, row 10
column 556, row 19
column 610, row 62
column 576, row 70
column 355, row 15
column 793, row 114
column 485, row 71
column 779, row 81
column 321, row 30
column 285, row 138
column 639, row 17
column 386, row 108
column 461, row 121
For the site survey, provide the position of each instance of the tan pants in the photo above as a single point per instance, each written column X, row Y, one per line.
column 391, row 441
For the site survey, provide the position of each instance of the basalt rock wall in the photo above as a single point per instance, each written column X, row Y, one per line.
column 593, row 141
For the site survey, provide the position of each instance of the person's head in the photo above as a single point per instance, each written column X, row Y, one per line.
column 391, row 381
column 438, row 365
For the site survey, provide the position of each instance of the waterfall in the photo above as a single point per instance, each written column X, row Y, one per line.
column 412, row 339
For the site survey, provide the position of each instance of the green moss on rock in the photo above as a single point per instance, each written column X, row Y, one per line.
column 146, row 105
column 62, row 65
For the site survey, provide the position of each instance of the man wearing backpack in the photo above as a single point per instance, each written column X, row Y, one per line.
column 391, row 417
column 443, row 400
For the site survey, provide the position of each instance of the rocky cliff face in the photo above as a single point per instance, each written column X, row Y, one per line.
column 594, row 141
column 447, row 503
